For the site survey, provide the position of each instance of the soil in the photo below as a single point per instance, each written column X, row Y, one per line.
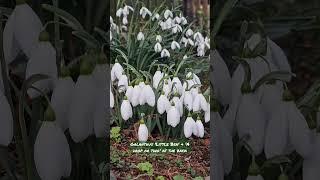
column 191, row 164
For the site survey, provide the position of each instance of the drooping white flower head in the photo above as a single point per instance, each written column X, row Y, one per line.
column 177, row 20
column 140, row 36
column 123, row 83
column 185, row 57
column 168, row 14
column 199, row 103
column 188, row 126
column 116, row 71
column 126, row 109
column 143, row 132
column 135, row 95
column 21, row 32
column 158, row 75
column 176, row 28
column 52, row 146
column 200, row 128
column 167, row 87
column 144, row 12
column 188, row 100
column 156, row 16
column 163, row 104
column 173, row 116
column 119, row 12
column 125, row 20
column 177, row 85
column 126, row 10
column 165, row 53
column 175, row 45
column 129, row 92
column 157, row 47
column 178, row 104
column 6, row 121
column 189, row 33
column 159, row 38
column 148, row 95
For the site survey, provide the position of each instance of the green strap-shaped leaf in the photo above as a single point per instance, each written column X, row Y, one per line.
column 72, row 21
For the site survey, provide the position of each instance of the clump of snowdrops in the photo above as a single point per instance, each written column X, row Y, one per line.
column 74, row 111
column 156, row 56
column 260, row 113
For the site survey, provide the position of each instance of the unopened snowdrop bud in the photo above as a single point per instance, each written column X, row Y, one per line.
column 52, row 155
column 159, row 38
column 188, row 100
column 149, row 96
column 6, row 121
column 60, row 100
column 158, row 75
column 168, row 14
column 163, row 104
column 140, row 36
column 165, row 53
column 254, row 172
column 143, row 132
column 144, row 12
column 123, row 83
column 200, row 128
column 81, row 108
column 157, row 47
column 42, row 61
column 188, row 126
column 175, row 45
column 126, row 109
column 116, row 71
column 189, row 33
column 155, row 17
column 21, row 32
column 173, row 116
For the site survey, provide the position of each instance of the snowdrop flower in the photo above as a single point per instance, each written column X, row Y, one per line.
column 207, row 114
column 116, row 71
column 165, row 53
column 188, row 100
column 124, row 28
column 144, row 12
column 198, row 37
column 253, row 41
column 278, row 56
column 188, row 126
column 158, row 38
column 42, row 61
column 126, row 109
column 177, row 85
column 52, row 155
column 175, row 45
column 168, row 14
column 178, row 104
column 111, row 99
column 201, row 50
column 199, row 102
column 140, row 36
column 148, row 95
column 119, row 12
column 157, row 47
column 186, row 41
column 126, row 10
column 143, row 132
column 123, row 83
column 125, row 20
column 200, row 128
column 81, row 108
column 207, row 42
column 183, row 20
column 21, row 32
column 129, row 92
column 60, row 100
column 176, row 28
column 271, row 97
column 156, row 16
column 167, row 87
column 221, row 79
column 173, row 116
column 6, row 121
column 135, row 95
column 177, row 19
column 189, row 33
column 185, row 57
column 163, row 104
column 158, row 75
column 251, row 120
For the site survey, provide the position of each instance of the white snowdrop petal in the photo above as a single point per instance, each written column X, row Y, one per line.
column 251, row 121
column 116, row 71
column 61, row 99
column 11, row 46
column 6, row 121
column 188, row 126
column 126, row 110
column 188, row 100
column 42, row 61
column 149, row 95
column 158, row 75
column 140, row 36
column 278, row 56
column 200, row 128
column 52, row 146
column 81, row 109
column 135, row 95
column 173, row 116
column 299, row 132
column 129, row 93
column 196, row 103
column 163, row 104
column 123, row 83
column 271, row 97
column 111, row 99
column 177, row 85
column 143, row 133
column 27, row 27
column 207, row 116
